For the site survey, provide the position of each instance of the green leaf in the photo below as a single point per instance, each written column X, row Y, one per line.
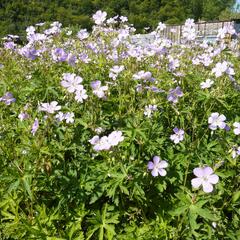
column 178, row 211
column 205, row 213
column 236, row 196
column 26, row 183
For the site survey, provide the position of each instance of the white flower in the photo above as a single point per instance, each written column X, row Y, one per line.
column 60, row 116
column 216, row 120
column 207, row 84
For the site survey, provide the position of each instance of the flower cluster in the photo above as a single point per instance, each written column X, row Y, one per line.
column 106, row 142
column 68, row 117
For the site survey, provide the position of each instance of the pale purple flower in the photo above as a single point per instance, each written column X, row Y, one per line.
column 59, row 55
column 7, row 98
column 23, row 116
column 207, row 84
column 84, row 57
column 115, row 138
column 149, row 110
column 72, row 82
column 60, row 116
column 174, row 94
column 99, row 17
column 174, row 63
column 142, row 75
column 35, row 126
column 83, row 34
column 81, row 94
column 236, row 130
column 204, row 177
column 157, row 166
column 188, row 30
column 100, row 144
column 49, row 107
column 178, row 136
column 216, row 120
column 106, row 142
column 69, row 117
column 9, row 45
column 98, row 90
column 221, row 68
column 29, row 52
column 115, row 70
column 71, row 59
column 94, row 140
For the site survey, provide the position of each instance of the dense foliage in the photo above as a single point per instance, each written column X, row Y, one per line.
column 15, row 16
column 101, row 138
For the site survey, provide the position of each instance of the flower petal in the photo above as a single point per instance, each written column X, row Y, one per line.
column 213, row 179
column 150, row 165
column 156, row 159
column 207, row 171
column 162, row 172
column 162, row 164
column 196, row 182
column 207, row 187
column 154, row 172
column 198, row 172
